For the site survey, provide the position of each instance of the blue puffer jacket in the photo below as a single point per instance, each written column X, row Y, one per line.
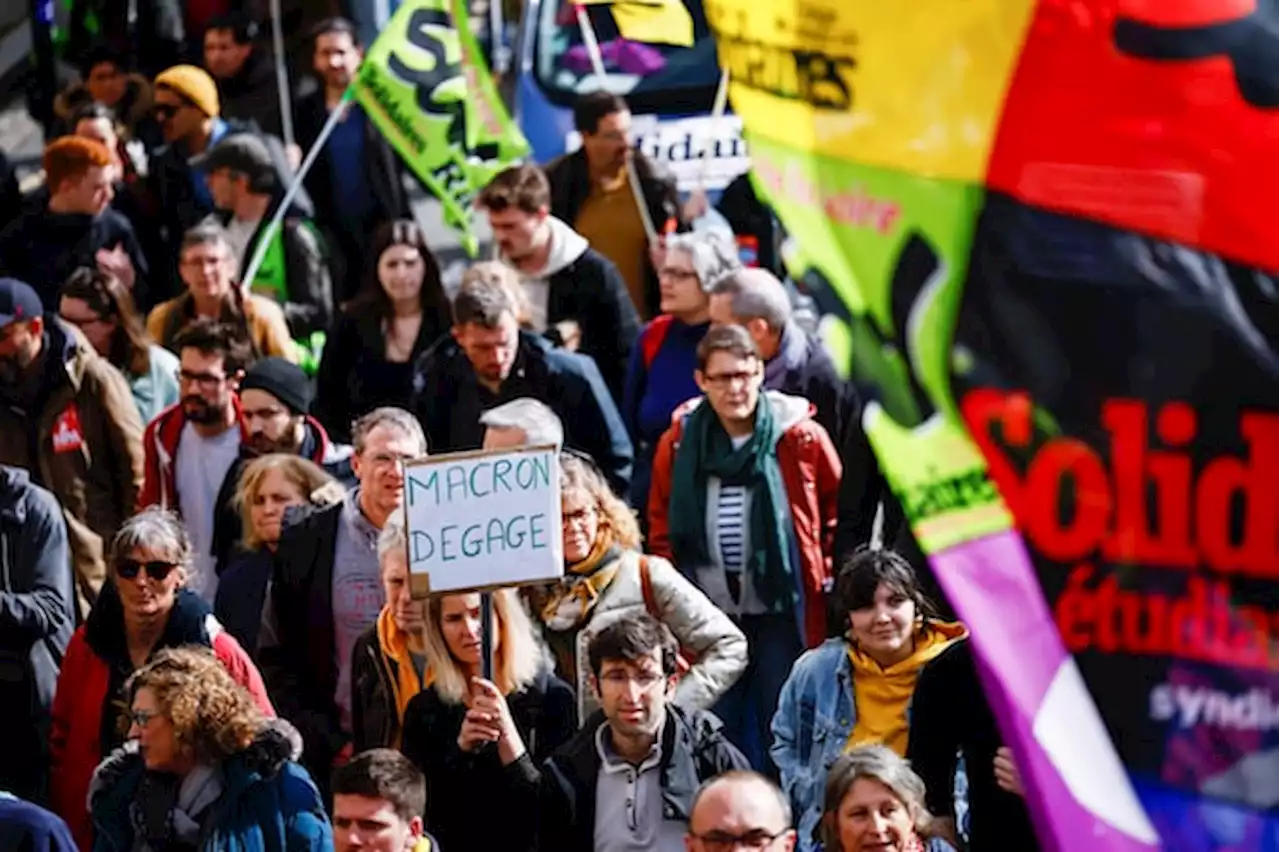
column 268, row 803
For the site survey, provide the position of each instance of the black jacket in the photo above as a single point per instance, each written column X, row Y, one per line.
column 10, row 194
column 253, row 95
column 694, row 750
column 374, row 720
column 242, row 595
column 570, row 181
column 590, row 291
column 334, row 459
column 383, row 168
column 301, row 672
column 43, row 248
column 355, row 376
column 308, row 299
column 448, row 400
column 950, row 715
column 462, row 789
column 37, row 618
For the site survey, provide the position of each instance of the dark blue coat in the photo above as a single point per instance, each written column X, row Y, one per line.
column 268, row 803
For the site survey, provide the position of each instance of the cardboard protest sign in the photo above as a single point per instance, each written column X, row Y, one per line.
column 1065, row 293
column 480, row 520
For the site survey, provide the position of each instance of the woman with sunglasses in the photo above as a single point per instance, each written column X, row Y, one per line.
column 143, row 608
column 102, row 308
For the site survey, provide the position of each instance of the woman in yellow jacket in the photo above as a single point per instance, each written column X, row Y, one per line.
column 856, row 690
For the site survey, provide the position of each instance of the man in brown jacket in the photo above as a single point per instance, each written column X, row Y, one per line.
column 67, row 416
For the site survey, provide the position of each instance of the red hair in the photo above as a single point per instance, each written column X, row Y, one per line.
column 71, row 157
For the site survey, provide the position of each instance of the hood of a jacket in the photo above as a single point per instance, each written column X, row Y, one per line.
column 567, row 245
column 14, row 481
column 191, row 622
column 931, row 640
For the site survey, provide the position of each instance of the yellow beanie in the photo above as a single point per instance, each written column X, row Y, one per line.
column 194, row 84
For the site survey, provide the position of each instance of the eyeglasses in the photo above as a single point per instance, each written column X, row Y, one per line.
column 726, row 380
column 644, row 680
column 384, row 460
column 141, row 718
column 156, row 569
column 721, row 841
column 580, row 518
column 207, row 381
column 164, row 112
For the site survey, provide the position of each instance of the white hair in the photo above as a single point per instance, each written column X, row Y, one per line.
column 757, row 294
column 714, row 256
column 536, row 419
column 392, row 538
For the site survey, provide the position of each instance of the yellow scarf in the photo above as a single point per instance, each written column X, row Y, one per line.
column 881, row 695
column 394, row 644
column 571, row 600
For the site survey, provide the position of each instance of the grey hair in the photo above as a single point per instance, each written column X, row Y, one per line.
column 533, row 417
column 392, row 539
column 153, row 530
column 714, row 256
column 876, row 763
column 205, row 232
column 757, row 294
column 388, row 415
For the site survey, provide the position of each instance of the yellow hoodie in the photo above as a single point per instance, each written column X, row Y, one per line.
column 881, row 696
column 405, row 684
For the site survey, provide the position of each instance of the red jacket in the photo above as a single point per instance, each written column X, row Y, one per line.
column 811, row 474
column 81, row 697
column 160, row 448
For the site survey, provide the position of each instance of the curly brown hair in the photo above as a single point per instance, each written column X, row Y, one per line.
column 211, row 714
column 577, row 473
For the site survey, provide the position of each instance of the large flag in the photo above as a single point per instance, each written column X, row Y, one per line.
column 1054, row 228
column 427, row 88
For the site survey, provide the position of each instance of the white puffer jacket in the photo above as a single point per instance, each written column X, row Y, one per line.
column 716, row 645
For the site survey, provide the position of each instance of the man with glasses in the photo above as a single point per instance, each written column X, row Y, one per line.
column 743, row 502
column 275, row 396
column 67, row 417
column 191, row 446
column 625, row 783
column 740, row 810
column 326, row 588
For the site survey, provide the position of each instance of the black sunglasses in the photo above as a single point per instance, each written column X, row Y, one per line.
column 156, row 569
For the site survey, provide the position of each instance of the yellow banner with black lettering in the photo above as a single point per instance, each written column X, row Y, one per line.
column 427, row 88
column 914, row 87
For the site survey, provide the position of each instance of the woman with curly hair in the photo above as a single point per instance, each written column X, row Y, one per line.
column 143, row 609
column 203, row 768
column 607, row 575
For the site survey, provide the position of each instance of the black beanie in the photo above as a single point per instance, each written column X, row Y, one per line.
column 283, row 380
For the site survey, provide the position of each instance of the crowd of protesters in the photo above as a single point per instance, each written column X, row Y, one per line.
column 206, row 622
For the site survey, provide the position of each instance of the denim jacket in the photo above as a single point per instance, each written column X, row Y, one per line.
column 814, row 720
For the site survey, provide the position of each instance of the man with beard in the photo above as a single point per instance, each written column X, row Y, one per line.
column 614, row 785
column 68, row 418
column 190, row 446
column 275, row 396
column 357, row 181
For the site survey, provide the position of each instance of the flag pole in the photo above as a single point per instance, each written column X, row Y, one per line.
column 260, row 251
column 718, row 108
column 282, row 76
column 597, row 66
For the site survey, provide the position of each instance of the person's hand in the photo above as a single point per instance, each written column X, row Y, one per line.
column 489, row 701
column 570, row 334
column 1007, row 775
column 115, row 261
column 696, row 206
column 294, row 155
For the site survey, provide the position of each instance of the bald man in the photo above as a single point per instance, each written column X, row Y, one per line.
column 740, row 809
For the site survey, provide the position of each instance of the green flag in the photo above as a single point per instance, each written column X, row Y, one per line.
column 428, row 90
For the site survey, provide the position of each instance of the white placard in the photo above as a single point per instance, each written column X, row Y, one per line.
column 479, row 520
column 680, row 143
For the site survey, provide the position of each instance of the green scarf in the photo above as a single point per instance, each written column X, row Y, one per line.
column 705, row 450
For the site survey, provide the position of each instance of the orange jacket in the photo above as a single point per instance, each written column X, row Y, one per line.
column 811, row 474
